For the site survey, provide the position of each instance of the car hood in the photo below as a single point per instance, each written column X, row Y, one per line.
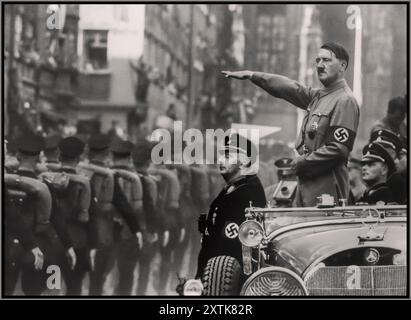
column 303, row 246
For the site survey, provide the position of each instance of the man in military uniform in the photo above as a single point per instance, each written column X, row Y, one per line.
column 329, row 127
column 377, row 167
column 282, row 194
column 128, row 245
column 398, row 152
column 227, row 212
column 70, row 206
column 168, row 205
column 107, row 199
column 36, row 218
column 141, row 159
column 20, row 245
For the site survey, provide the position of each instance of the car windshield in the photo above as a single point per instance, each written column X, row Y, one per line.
column 275, row 218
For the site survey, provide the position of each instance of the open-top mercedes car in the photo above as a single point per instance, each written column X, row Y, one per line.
column 333, row 251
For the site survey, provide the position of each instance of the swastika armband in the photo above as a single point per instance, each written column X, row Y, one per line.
column 341, row 135
column 231, row 230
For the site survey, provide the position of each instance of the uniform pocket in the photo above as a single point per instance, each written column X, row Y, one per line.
column 318, row 124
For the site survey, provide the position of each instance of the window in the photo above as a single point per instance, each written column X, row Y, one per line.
column 271, row 42
column 95, row 49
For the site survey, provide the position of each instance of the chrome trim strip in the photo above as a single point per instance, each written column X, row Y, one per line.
column 316, row 209
column 301, row 225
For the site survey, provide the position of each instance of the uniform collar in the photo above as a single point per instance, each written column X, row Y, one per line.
column 335, row 86
column 239, row 180
column 376, row 187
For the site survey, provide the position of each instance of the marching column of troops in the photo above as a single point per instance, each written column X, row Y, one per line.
column 108, row 213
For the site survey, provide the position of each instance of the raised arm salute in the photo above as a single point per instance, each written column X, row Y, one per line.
column 329, row 126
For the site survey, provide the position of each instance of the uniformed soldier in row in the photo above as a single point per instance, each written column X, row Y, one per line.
column 187, row 212
column 377, row 167
column 200, row 193
column 36, row 213
column 107, row 199
column 128, row 245
column 141, row 156
column 71, row 205
column 168, row 206
column 282, row 194
column 220, row 227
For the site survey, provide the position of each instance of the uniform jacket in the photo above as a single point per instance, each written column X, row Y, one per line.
column 101, row 208
column 72, row 206
column 15, row 226
column 150, row 196
column 200, row 187
column 326, row 136
column 380, row 192
column 130, row 185
column 168, row 198
column 226, row 214
column 36, row 215
column 186, row 202
column 399, row 187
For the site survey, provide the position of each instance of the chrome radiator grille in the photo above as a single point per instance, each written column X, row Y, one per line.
column 358, row 281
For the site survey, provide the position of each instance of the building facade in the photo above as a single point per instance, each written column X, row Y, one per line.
column 110, row 40
column 40, row 66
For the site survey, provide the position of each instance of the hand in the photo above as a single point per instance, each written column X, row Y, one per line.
column 152, row 237
column 93, row 258
column 72, row 258
column 182, row 234
column 240, row 75
column 155, row 237
column 139, row 236
column 166, row 238
column 38, row 258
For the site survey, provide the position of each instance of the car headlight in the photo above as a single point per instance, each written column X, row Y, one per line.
column 274, row 281
column 251, row 233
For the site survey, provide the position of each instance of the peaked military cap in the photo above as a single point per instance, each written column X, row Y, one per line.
column 235, row 142
column 376, row 152
column 122, row 147
column 30, row 144
column 388, row 139
column 71, row 147
column 99, row 142
column 142, row 152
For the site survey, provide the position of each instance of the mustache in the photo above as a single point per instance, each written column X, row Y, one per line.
column 319, row 70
